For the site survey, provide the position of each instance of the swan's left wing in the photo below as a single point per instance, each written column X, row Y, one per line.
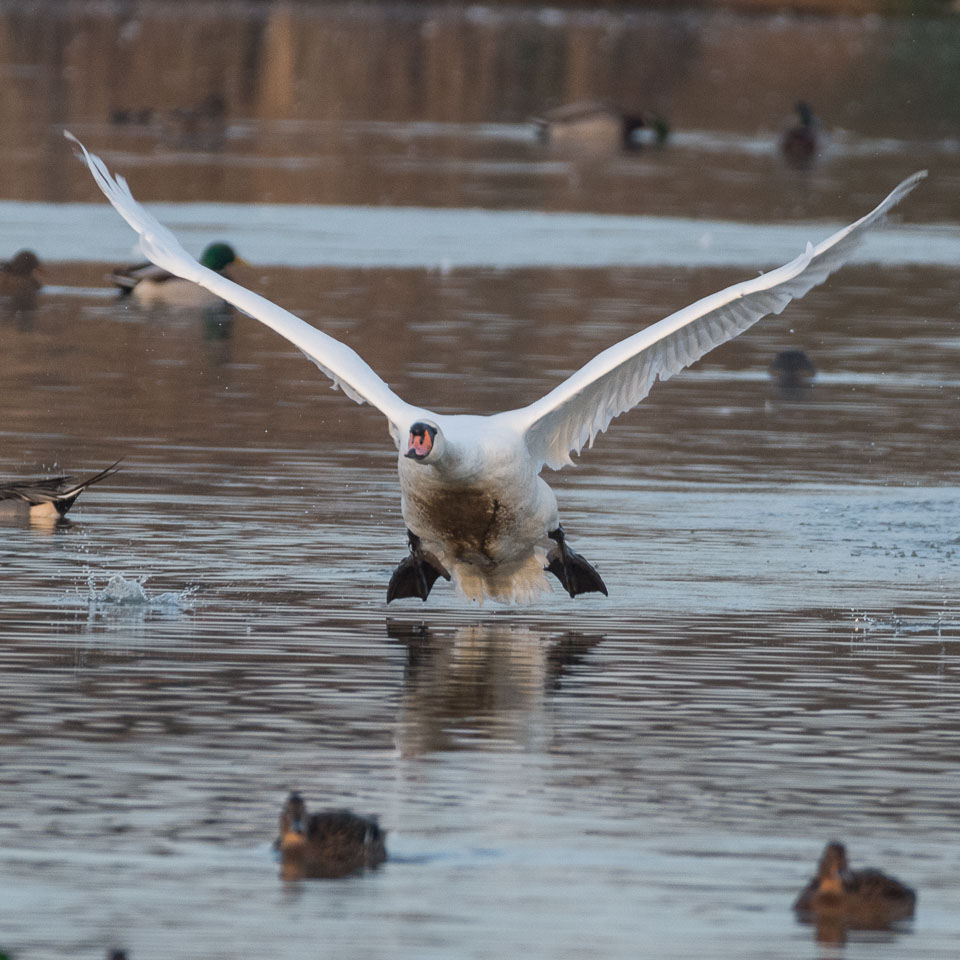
column 617, row 379
column 346, row 368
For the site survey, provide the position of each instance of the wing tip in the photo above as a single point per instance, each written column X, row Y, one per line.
column 903, row 188
column 84, row 154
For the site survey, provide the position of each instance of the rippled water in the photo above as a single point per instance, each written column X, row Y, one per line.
column 653, row 773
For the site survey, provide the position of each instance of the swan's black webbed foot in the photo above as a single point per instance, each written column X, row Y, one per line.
column 416, row 574
column 576, row 575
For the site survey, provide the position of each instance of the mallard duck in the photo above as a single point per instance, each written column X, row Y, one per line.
column 861, row 899
column 151, row 284
column 799, row 144
column 328, row 844
column 475, row 506
column 19, row 277
column 48, row 497
column 599, row 125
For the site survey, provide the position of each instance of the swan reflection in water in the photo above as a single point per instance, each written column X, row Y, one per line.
column 480, row 682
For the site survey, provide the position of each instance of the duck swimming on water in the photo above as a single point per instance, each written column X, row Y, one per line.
column 792, row 374
column 477, row 510
column 20, row 278
column 600, row 125
column 151, row 284
column 799, row 144
column 862, row 899
column 328, row 844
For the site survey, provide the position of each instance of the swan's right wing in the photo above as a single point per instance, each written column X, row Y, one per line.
column 617, row 379
column 339, row 362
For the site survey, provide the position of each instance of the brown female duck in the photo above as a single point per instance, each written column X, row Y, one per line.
column 19, row 278
column 328, row 844
column 859, row 899
column 800, row 143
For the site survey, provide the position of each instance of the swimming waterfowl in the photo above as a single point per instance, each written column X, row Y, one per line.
column 599, row 124
column 792, row 369
column 863, row 899
column 151, row 284
column 792, row 374
column 19, row 279
column 48, row 497
column 328, row 844
column 475, row 506
column 799, row 144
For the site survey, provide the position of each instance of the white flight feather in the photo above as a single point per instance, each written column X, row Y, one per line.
column 344, row 366
column 617, row 379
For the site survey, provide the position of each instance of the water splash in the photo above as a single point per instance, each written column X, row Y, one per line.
column 131, row 594
column 936, row 625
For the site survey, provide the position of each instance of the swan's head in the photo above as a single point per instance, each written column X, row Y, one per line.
column 424, row 442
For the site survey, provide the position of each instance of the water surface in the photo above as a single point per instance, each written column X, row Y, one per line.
column 651, row 773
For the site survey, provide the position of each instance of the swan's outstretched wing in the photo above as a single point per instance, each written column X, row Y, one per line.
column 617, row 379
column 339, row 362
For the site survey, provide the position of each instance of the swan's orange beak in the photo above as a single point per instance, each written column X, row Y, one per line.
column 421, row 440
column 419, row 444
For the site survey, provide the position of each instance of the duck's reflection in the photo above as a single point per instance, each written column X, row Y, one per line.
column 218, row 322
column 19, row 312
column 479, row 683
column 832, row 934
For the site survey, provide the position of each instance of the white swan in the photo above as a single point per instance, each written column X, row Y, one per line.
column 473, row 500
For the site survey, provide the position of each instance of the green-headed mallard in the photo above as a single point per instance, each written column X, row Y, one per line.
column 328, row 844
column 151, row 284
